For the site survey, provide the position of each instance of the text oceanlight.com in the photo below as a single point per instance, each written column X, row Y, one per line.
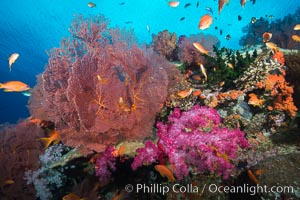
column 212, row 188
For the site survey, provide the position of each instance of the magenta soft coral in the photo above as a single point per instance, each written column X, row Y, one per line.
column 197, row 140
column 105, row 164
column 146, row 155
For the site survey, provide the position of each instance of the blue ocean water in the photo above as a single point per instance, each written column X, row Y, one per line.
column 31, row 28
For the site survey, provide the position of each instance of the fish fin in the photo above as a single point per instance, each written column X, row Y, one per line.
column 46, row 141
column 7, row 90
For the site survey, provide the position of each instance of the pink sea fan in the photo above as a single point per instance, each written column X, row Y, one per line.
column 19, row 152
column 100, row 88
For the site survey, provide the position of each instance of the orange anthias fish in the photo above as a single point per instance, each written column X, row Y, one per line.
column 219, row 154
column 272, row 46
column 222, row 83
column 173, row 4
column 72, row 196
column 243, row 3
column 205, row 22
column 54, row 137
column 197, row 92
column 12, row 59
column 185, row 93
column 297, row 27
column 296, row 38
column 254, row 100
column 252, row 176
column 6, row 182
column 91, row 4
column 267, row 36
column 259, row 172
column 221, row 4
column 119, row 152
column 118, row 195
column 200, row 48
column 165, row 172
column 14, row 86
column 230, row 65
column 203, row 70
column 122, row 150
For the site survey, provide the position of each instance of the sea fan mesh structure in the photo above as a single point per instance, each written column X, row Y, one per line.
column 99, row 87
column 19, row 152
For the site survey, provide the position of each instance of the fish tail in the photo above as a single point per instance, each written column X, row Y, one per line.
column 1, row 85
column 46, row 141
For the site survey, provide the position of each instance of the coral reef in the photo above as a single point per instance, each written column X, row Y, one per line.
column 19, row 152
column 257, row 72
column 282, row 93
column 100, row 88
column 164, row 43
column 221, row 70
column 253, row 32
column 292, row 60
column 281, row 29
column 227, row 65
column 279, row 57
column 88, row 188
column 146, row 155
column 276, row 170
column 268, row 94
column 105, row 164
column 188, row 53
column 52, row 179
column 196, row 139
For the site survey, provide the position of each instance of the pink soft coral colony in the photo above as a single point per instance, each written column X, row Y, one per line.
column 105, row 164
column 195, row 140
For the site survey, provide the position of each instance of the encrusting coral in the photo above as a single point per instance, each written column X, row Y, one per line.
column 282, row 93
column 279, row 57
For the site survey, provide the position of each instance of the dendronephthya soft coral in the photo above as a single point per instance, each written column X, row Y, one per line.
column 197, row 140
